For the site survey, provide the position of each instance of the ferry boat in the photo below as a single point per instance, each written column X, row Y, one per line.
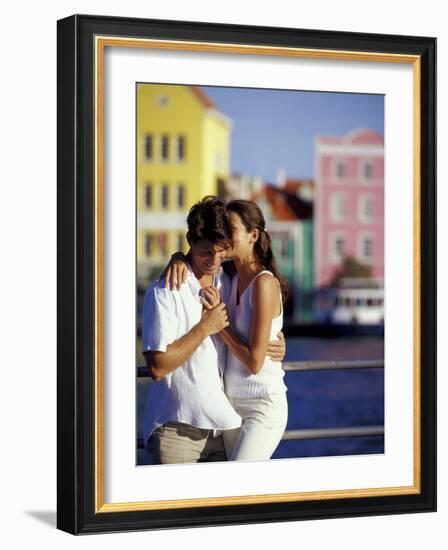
column 353, row 302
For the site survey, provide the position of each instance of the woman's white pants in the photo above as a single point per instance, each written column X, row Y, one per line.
column 263, row 425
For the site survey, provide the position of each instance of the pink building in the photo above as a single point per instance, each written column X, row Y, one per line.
column 349, row 203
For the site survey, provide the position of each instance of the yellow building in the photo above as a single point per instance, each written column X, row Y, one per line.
column 183, row 154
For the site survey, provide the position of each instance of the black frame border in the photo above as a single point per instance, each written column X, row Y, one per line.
column 76, row 263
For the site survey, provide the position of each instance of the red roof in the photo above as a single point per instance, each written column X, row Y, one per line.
column 203, row 98
column 292, row 185
column 362, row 136
column 369, row 137
column 329, row 140
column 285, row 206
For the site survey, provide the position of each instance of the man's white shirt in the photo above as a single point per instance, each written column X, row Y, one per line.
column 193, row 393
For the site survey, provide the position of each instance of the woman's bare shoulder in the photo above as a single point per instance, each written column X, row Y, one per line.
column 265, row 282
column 266, row 293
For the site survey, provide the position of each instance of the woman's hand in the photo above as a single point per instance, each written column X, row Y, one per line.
column 277, row 348
column 176, row 271
column 210, row 297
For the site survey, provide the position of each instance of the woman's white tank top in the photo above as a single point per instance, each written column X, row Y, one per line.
column 238, row 380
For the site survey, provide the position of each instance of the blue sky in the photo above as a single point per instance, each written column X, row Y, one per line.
column 276, row 128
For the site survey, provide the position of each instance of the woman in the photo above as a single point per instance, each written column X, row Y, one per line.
column 253, row 382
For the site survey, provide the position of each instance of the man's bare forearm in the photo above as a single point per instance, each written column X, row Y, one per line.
column 161, row 363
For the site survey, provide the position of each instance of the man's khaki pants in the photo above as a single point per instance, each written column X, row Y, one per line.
column 178, row 443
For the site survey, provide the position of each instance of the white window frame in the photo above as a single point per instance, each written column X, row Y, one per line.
column 180, row 185
column 163, row 251
column 362, row 168
column 177, row 139
column 361, row 238
column 162, row 186
column 363, row 217
column 147, row 236
column 160, row 148
column 334, row 236
column 153, row 138
column 151, row 186
column 338, row 207
column 336, row 163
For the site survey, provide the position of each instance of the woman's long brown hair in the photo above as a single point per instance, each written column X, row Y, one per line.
column 252, row 218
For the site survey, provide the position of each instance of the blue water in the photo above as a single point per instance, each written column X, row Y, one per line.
column 326, row 399
column 334, row 399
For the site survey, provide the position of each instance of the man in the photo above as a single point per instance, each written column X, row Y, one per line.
column 186, row 407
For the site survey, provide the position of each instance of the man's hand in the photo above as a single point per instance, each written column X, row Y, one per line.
column 176, row 271
column 277, row 348
column 210, row 298
column 214, row 320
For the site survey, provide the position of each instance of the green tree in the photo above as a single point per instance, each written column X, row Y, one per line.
column 351, row 268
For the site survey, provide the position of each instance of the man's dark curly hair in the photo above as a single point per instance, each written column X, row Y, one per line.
column 207, row 219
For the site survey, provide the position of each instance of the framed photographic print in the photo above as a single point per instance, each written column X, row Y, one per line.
column 246, row 274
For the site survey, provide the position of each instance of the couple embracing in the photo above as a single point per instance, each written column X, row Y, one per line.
column 212, row 342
